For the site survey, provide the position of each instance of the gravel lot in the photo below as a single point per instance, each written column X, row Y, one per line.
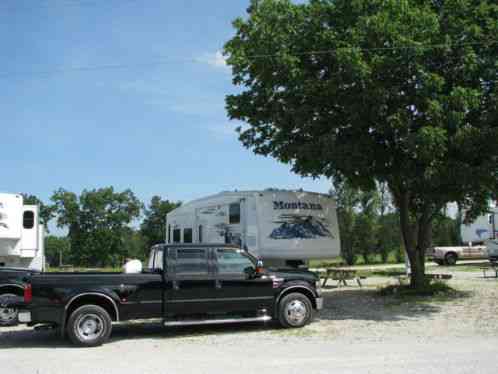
column 356, row 332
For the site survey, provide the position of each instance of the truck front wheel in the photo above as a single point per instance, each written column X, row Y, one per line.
column 295, row 310
column 89, row 326
column 8, row 316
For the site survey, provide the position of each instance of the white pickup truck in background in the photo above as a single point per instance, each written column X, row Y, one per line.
column 478, row 235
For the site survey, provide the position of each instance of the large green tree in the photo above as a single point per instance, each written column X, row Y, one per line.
column 403, row 92
column 57, row 250
column 98, row 223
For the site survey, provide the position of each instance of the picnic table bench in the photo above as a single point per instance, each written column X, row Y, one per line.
column 492, row 267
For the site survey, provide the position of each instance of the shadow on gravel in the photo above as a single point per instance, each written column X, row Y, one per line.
column 28, row 338
column 367, row 305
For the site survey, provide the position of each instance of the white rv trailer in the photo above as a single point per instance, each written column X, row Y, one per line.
column 21, row 234
column 282, row 227
column 481, row 229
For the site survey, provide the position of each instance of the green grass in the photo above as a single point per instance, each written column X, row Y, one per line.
column 393, row 272
column 466, row 268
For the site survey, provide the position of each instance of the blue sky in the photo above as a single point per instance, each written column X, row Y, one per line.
column 153, row 120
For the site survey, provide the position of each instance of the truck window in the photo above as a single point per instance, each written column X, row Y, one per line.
column 232, row 262
column 28, row 219
column 191, row 261
column 176, row 236
column 234, row 213
column 187, row 235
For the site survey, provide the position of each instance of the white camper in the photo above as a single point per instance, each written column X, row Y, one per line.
column 21, row 234
column 282, row 227
column 481, row 229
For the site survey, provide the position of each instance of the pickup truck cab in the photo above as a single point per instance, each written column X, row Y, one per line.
column 185, row 285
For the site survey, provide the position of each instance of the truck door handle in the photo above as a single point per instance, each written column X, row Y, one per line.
column 218, row 284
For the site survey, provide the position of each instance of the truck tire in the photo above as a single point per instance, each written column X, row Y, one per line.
column 295, row 310
column 450, row 259
column 89, row 326
column 8, row 316
column 439, row 262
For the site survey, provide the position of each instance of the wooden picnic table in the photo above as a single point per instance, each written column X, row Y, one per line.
column 341, row 276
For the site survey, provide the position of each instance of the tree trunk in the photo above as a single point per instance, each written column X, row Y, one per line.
column 416, row 237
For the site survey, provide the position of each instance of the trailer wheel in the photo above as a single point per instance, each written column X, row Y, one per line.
column 8, row 316
column 89, row 326
column 450, row 259
column 295, row 310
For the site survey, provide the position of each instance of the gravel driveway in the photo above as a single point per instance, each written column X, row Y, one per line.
column 356, row 332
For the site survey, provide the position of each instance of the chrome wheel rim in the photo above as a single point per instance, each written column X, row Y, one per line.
column 89, row 327
column 296, row 312
column 7, row 315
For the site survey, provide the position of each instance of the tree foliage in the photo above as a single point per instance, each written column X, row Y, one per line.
column 98, row 223
column 153, row 227
column 57, row 250
column 403, row 92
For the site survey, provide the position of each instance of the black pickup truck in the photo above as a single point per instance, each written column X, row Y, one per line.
column 186, row 285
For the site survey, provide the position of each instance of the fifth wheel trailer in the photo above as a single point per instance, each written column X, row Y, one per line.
column 284, row 228
column 21, row 234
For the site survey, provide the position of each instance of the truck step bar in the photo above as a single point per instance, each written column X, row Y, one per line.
column 217, row 321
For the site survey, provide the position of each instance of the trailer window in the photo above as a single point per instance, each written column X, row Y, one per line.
column 234, row 213
column 28, row 219
column 177, row 235
column 191, row 261
column 187, row 235
column 200, row 233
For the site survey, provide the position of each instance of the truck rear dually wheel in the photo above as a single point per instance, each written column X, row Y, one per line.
column 8, row 316
column 295, row 310
column 89, row 326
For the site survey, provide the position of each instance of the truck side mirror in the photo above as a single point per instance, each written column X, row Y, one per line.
column 259, row 266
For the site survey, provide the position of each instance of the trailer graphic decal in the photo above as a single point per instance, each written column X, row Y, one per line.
column 295, row 226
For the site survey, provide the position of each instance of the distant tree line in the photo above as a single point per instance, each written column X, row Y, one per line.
column 369, row 225
column 103, row 226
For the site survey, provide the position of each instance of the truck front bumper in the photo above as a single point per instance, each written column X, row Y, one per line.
column 319, row 303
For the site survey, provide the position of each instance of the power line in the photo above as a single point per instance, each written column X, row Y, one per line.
column 124, row 66
column 48, row 5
